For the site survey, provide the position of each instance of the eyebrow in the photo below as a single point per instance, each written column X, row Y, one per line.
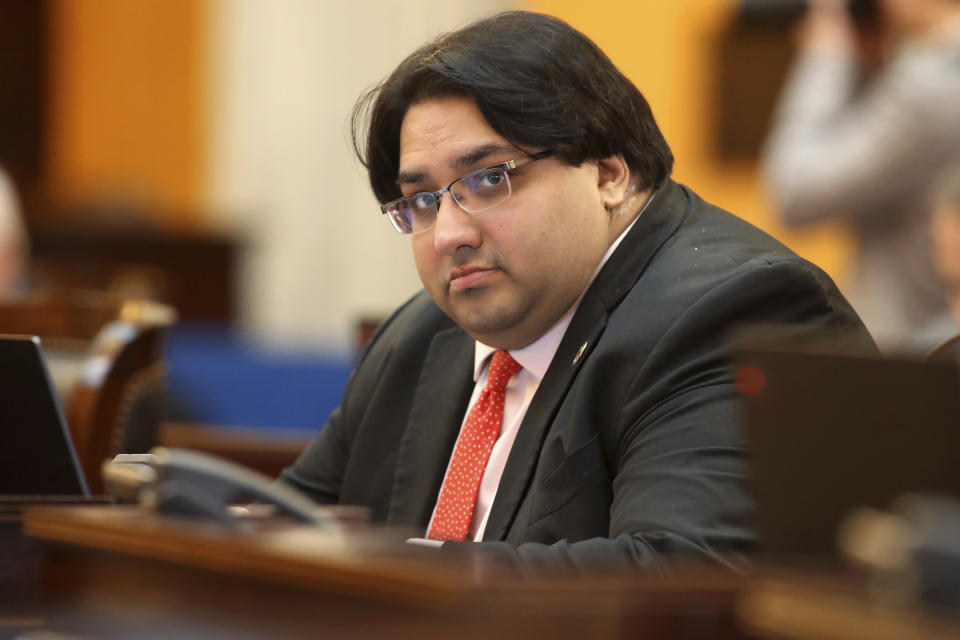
column 462, row 163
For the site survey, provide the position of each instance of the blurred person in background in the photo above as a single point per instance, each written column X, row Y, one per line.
column 868, row 153
column 13, row 238
column 945, row 240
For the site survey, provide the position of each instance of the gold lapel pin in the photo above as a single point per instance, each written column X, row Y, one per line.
column 577, row 357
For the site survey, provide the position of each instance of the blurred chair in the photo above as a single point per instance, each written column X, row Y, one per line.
column 106, row 359
column 948, row 350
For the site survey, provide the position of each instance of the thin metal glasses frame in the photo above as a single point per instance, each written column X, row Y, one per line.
column 506, row 167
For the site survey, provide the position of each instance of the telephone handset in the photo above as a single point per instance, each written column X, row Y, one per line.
column 190, row 483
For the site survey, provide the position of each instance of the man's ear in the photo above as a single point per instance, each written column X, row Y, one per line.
column 613, row 180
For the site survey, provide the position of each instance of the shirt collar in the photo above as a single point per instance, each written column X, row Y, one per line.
column 536, row 356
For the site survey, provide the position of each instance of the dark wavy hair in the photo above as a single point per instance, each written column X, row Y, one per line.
column 538, row 82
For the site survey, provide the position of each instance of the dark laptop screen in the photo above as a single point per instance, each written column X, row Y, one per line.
column 37, row 456
column 828, row 433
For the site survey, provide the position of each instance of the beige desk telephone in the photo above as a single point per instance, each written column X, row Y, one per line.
column 189, row 483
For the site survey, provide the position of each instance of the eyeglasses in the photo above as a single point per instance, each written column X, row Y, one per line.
column 477, row 191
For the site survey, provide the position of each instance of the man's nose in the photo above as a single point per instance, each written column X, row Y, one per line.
column 454, row 227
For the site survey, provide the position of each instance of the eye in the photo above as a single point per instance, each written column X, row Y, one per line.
column 490, row 180
column 422, row 200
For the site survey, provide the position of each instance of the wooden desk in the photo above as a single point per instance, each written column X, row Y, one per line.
column 795, row 606
column 122, row 572
column 119, row 572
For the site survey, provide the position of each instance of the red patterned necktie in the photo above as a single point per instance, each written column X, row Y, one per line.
column 458, row 495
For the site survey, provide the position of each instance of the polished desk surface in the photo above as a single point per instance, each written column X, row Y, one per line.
column 118, row 572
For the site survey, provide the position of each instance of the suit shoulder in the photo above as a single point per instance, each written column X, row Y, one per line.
column 715, row 242
column 713, row 253
column 415, row 321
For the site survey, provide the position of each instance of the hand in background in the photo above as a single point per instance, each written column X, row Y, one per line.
column 827, row 28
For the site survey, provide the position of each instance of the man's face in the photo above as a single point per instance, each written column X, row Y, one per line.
column 507, row 274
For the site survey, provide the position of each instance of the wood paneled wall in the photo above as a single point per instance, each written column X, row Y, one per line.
column 127, row 104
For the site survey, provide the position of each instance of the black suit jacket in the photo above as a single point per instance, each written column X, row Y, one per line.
column 628, row 454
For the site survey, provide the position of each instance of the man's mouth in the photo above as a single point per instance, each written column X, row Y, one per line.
column 469, row 277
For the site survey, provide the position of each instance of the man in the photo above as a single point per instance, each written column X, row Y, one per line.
column 534, row 184
column 868, row 156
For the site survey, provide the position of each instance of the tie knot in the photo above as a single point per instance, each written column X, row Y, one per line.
column 502, row 368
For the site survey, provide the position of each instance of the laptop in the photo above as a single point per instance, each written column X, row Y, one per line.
column 37, row 456
column 830, row 432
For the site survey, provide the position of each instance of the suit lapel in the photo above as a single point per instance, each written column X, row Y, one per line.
column 618, row 276
column 525, row 453
column 440, row 399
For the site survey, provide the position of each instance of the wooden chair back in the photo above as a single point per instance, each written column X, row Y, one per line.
column 118, row 344
column 949, row 349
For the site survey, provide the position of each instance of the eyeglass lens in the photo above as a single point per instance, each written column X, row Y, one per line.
column 474, row 192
